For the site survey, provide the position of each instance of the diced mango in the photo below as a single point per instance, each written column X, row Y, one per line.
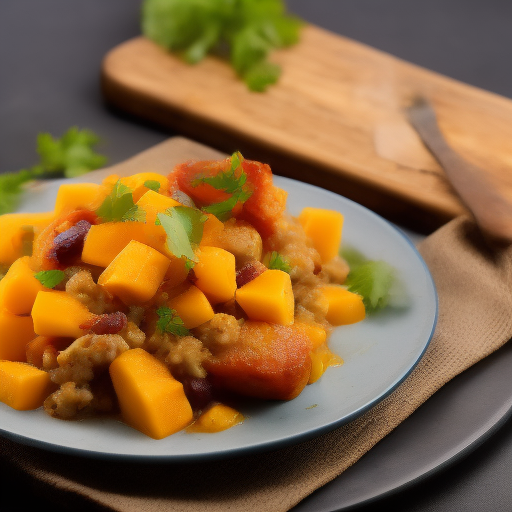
column 177, row 272
column 212, row 229
column 15, row 229
column 150, row 398
column 344, row 307
column 75, row 196
column 215, row 274
column 321, row 359
column 105, row 241
column 215, row 419
column 136, row 183
column 154, row 203
column 135, row 274
column 192, row 307
column 15, row 332
column 324, row 227
column 268, row 298
column 22, row 386
column 36, row 348
column 315, row 332
column 19, row 287
column 57, row 313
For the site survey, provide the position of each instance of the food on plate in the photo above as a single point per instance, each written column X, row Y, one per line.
column 166, row 300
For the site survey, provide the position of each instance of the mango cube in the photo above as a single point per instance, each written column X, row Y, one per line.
column 135, row 274
column 192, row 307
column 75, row 196
column 56, row 313
column 136, row 182
column 215, row 419
column 212, row 229
column 324, row 227
column 268, row 298
column 22, row 386
column 16, row 331
column 150, row 398
column 344, row 307
column 154, row 203
column 215, row 273
column 15, row 228
column 19, row 287
column 315, row 332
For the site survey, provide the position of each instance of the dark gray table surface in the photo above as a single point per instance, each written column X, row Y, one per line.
column 50, row 55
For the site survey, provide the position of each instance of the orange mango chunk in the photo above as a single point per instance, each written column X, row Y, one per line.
column 19, row 287
column 77, row 196
column 105, row 241
column 212, row 229
column 215, row 274
column 135, row 273
column 15, row 332
column 215, row 419
column 315, row 332
column 321, row 359
column 268, row 298
column 192, row 307
column 22, row 386
column 344, row 307
column 136, row 183
column 15, row 228
column 154, row 203
column 324, row 227
column 56, row 313
column 150, row 398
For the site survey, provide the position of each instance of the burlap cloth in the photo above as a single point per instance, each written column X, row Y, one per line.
column 474, row 284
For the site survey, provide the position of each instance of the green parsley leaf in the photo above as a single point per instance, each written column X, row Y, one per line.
column 50, row 278
column 223, row 209
column 184, row 229
column 279, row 262
column 152, row 185
column 245, row 32
column 119, row 206
column 169, row 321
column 69, row 156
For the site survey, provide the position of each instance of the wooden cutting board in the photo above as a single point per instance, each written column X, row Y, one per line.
column 335, row 119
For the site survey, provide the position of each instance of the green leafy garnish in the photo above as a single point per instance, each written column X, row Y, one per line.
column 375, row 281
column 279, row 262
column 184, row 229
column 232, row 182
column 244, row 31
column 69, row 156
column 152, row 185
column 169, row 321
column 119, row 206
column 50, row 278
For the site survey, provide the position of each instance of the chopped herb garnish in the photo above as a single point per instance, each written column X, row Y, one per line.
column 69, row 156
column 50, row 278
column 278, row 262
column 244, row 31
column 119, row 206
column 184, row 229
column 169, row 321
column 152, row 185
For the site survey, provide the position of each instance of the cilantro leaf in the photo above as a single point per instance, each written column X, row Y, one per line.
column 71, row 155
column 152, row 185
column 169, row 321
column 50, row 278
column 279, row 262
column 119, row 206
column 184, row 229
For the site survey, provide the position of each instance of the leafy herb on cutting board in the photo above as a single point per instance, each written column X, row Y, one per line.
column 70, row 156
column 248, row 30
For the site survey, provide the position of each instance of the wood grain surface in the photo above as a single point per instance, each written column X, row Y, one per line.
column 335, row 119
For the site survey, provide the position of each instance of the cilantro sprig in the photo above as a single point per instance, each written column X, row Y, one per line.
column 232, row 182
column 169, row 321
column 50, row 278
column 119, row 206
column 69, row 156
column 279, row 262
column 244, row 31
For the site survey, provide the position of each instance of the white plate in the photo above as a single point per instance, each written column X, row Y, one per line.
column 379, row 353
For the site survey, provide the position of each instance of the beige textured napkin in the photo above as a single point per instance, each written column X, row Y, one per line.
column 475, row 301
